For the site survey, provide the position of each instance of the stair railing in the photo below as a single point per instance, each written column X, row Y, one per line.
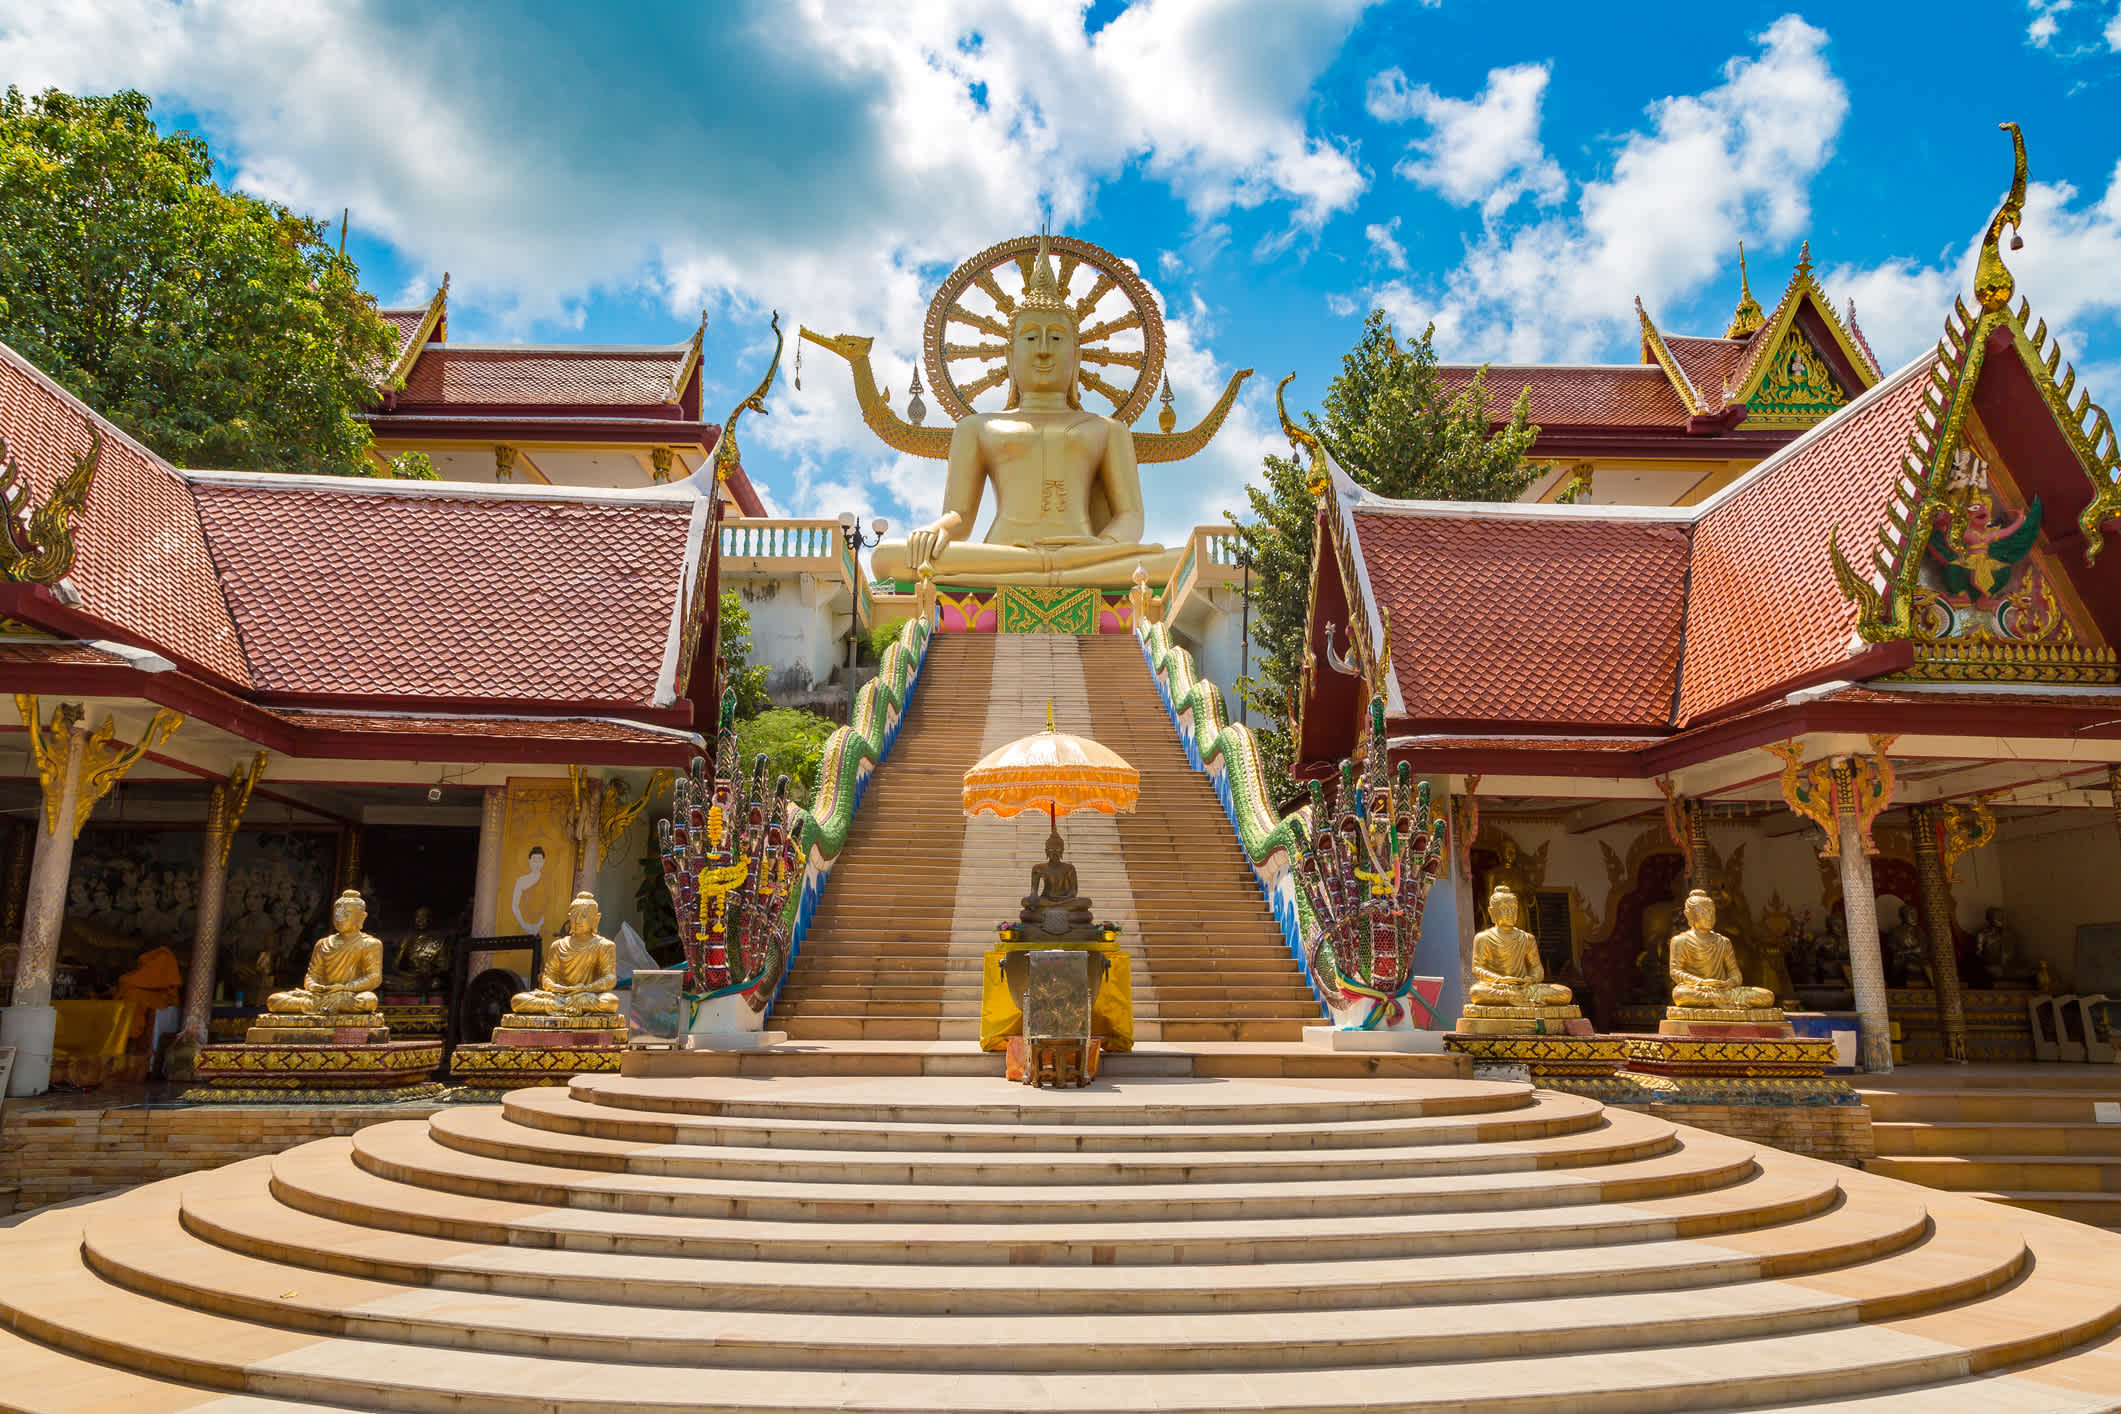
column 851, row 755
column 1279, row 847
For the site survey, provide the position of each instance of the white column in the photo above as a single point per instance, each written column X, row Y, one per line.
column 487, row 885
column 28, row 1024
column 1859, row 902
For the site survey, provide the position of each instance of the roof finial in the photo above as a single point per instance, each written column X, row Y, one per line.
column 1993, row 285
column 1042, row 291
column 1748, row 317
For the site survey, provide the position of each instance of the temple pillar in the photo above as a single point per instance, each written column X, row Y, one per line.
column 659, row 457
column 589, row 795
column 30, row 1021
column 504, row 463
column 1938, row 910
column 493, row 810
column 224, row 811
column 1859, row 902
column 1697, row 844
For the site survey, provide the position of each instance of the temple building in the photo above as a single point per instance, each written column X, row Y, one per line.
column 236, row 694
column 1858, row 681
column 1695, row 412
column 545, row 415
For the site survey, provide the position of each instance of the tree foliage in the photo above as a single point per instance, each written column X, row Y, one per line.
column 793, row 741
column 738, row 674
column 1391, row 424
column 219, row 329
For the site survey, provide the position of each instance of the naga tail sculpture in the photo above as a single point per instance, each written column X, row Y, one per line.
column 730, row 861
column 37, row 546
column 1367, row 877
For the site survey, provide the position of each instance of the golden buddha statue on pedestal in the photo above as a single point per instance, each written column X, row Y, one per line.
column 1510, row 993
column 1054, row 890
column 1705, row 974
column 338, row 991
column 576, row 982
column 1067, row 488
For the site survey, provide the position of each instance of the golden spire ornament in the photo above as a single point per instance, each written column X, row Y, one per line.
column 1748, row 317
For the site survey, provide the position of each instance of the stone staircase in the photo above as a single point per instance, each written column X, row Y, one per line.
column 2026, row 1135
column 894, row 951
column 805, row 1244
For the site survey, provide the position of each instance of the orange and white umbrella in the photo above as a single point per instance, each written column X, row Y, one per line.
column 1052, row 771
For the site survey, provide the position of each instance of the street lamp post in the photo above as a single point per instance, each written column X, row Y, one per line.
column 851, row 532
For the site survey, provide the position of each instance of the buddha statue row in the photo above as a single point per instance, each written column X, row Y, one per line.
column 578, row 978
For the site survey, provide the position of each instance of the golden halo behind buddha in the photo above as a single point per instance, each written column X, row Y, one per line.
column 1101, row 293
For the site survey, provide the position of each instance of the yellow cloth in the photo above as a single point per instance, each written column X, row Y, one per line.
column 94, row 1029
column 1111, row 1011
column 155, row 982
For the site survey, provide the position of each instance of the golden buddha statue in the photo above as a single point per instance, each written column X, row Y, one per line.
column 344, row 969
column 1053, row 887
column 581, row 969
column 1507, row 970
column 1068, row 494
column 1705, row 966
column 423, row 958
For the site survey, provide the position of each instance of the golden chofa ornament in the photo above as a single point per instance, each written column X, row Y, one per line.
column 1042, row 351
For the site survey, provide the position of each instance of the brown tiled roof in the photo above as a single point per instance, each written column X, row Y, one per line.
column 415, row 592
column 406, row 324
column 56, row 655
column 1551, row 618
column 1764, row 607
column 457, row 374
column 1710, row 364
column 1616, row 395
column 141, row 559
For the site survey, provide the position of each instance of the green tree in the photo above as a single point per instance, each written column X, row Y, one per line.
column 1391, row 425
column 738, row 675
column 219, row 329
column 793, row 741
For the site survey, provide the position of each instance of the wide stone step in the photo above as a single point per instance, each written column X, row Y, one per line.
column 1616, row 1138
column 404, row 1152
column 2030, row 1105
column 150, row 1252
column 562, row 1111
column 70, row 1306
column 1976, row 1140
column 1776, row 1222
column 2001, row 1172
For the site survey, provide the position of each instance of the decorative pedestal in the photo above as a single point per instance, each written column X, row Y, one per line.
column 1737, row 1043
column 1542, row 1056
column 1111, row 1010
column 416, row 1019
column 321, row 1070
column 541, row 1050
column 1523, row 1021
column 1051, row 1062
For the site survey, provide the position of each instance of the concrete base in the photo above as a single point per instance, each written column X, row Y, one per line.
column 734, row 1040
column 1414, row 1043
column 29, row 1029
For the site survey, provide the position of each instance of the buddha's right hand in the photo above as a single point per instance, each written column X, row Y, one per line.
column 926, row 544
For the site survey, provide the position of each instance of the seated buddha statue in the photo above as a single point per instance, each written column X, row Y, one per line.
column 1067, row 492
column 344, row 969
column 581, row 969
column 1705, row 966
column 1506, row 966
column 423, row 958
column 1053, row 886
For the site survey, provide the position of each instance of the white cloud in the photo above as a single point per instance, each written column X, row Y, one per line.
column 2046, row 20
column 2066, row 269
column 1733, row 162
column 1485, row 150
column 2113, row 31
column 742, row 158
column 1385, row 243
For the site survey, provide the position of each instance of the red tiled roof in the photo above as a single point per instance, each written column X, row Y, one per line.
column 1561, row 619
column 452, row 374
column 1624, row 395
column 1710, row 364
column 69, row 655
column 141, row 560
column 1764, row 607
column 418, row 593
column 406, row 324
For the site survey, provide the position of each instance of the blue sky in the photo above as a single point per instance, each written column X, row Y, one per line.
column 1275, row 167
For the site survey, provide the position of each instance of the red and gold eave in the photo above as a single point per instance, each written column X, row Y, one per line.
column 1629, row 642
column 364, row 620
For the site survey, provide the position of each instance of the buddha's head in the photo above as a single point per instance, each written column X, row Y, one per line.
column 421, row 917
column 1044, row 356
column 582, row 916
column 348, row 912
column 1502, row 907
column 1053, row 848
column 1701, row 909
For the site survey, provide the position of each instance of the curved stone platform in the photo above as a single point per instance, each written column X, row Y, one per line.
column 803, row 1244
